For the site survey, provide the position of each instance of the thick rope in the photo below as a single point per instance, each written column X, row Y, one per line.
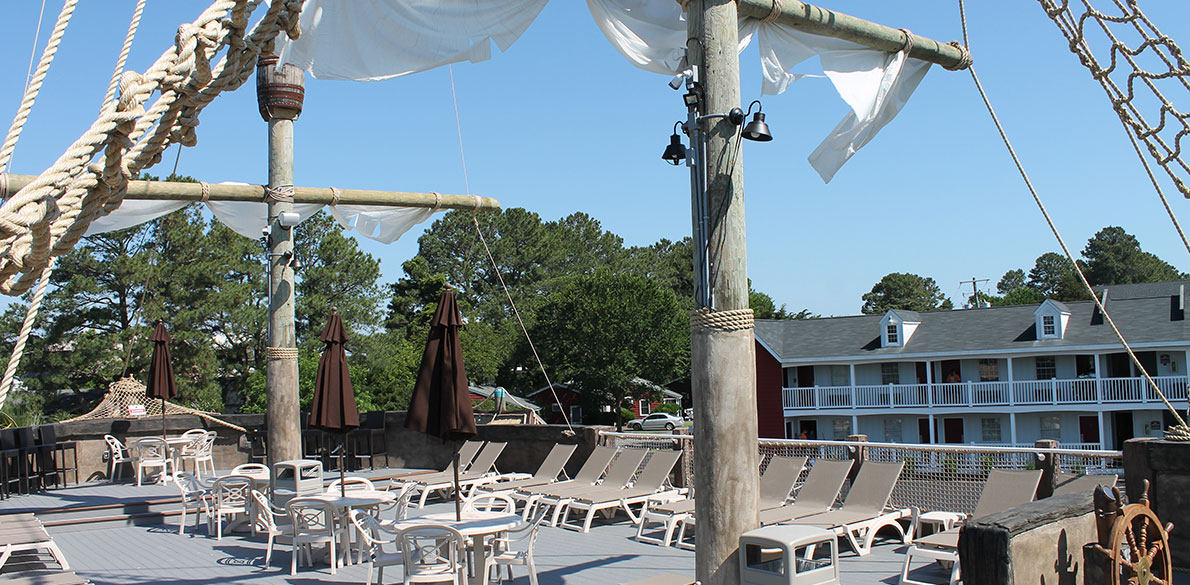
column 34, row 87
column 1179, row 431
column 732, row 320
column 18, row 349
column 281, row 353
column 127, row 48
column 52, row 213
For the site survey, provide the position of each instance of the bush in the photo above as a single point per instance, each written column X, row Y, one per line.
column 669, row 408
column 626, row 414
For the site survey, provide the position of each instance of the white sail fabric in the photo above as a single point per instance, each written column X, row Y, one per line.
column 381, row 223
column 366, row 40
column 370, row 40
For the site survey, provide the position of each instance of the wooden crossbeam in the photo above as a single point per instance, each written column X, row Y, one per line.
column 828, row 23
column 175, row 191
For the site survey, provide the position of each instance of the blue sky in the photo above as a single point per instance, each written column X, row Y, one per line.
column 562, row 123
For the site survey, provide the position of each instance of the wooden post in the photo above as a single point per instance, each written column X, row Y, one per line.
column 723, row 375
column 279, row 93
column 1048, row 467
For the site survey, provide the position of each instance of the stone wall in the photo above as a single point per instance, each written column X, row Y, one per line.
column 527, row 447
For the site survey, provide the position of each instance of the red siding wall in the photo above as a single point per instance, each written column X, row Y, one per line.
column 546, row 400
column 770, row 412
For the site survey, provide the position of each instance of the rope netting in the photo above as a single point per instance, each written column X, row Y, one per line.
column 127, row 398
column 47, row 217
column 1140, row 69
column 935, row 477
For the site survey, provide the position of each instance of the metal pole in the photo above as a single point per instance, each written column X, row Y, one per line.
column 279, row 91
column 723, row 371
column 176, row 191
column 828, row 23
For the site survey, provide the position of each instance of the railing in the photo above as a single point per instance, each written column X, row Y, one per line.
column 996, row 393
column 935, row 477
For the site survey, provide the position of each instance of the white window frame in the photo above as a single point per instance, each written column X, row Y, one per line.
column 890, row 373
column 892, row 335
column 1053, row 365
column 576, row 414
column 1054, row 433
column 643, row 406
column 990, row 429
column 1049, row 326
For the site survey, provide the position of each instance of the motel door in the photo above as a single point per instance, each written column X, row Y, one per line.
column 923, row 431
column 952, row 430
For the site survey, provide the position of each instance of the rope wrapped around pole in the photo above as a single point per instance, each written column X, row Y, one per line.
column 734, row 320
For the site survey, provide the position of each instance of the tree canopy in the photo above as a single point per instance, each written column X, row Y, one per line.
column 899, row 290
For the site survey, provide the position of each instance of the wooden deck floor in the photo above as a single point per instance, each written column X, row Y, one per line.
column 134, row 555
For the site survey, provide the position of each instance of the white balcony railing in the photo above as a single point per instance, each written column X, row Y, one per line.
column 1000, row 393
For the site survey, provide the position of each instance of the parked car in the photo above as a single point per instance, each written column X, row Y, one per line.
column 658, row 421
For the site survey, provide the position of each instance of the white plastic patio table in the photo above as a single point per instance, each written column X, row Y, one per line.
column 354, row 499
column 475, row 524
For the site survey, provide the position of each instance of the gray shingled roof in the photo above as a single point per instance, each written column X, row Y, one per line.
column 1144, row 316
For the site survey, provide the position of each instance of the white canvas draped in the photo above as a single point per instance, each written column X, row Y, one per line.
column 380, row 223
column 368, row 40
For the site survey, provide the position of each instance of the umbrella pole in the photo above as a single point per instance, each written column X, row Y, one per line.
column 342, row 472
column 163, row 419
column 458, row 496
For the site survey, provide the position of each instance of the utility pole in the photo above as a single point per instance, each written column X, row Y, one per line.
column 974, row 288
column 280, row 90
column 723, row 372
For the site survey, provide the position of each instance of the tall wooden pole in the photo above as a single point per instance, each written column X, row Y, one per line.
column 722, row 350
column 279, row 93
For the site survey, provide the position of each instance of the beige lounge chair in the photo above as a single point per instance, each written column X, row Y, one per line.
column 548, row 472
column 865, row 510
column 467, row 454
column 652, row 479
column 775, row 484
column 22, row 532
column 1066, row 483
column 587, row 475
column 816, row 495
column 622, row 470
column 479, row 468
column 1003, row 490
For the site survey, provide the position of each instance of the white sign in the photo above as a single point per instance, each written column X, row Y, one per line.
column 136, row 410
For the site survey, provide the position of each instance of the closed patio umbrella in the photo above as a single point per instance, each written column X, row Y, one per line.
column 334, row 407
column 161, row 370
column 441, row 401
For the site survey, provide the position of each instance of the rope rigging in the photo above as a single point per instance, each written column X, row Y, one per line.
column 47, row 217
column 1180, row 431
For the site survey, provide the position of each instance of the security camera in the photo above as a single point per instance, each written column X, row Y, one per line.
column 680, row 79
column 288, row 219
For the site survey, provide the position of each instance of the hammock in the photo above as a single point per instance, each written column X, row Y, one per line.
column 127, row 398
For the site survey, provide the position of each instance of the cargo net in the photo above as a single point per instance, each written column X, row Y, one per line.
column 935, row 477
column 1142, row 71
column 128, row 398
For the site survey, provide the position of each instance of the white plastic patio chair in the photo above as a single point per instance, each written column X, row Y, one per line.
column 432, row 554
column 517, row 549
column 230, row 496
column 400, row 506
column 265, row 521
column 372, row 543
column 351, row 484
column 117, row 454
column 152, row 453
column 313, row 522
column 196, row 498
column 490, row 503
column 200, row 451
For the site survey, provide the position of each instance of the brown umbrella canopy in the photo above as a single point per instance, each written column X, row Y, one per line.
column 334, row 400
column 161, row 370
column 441, row 403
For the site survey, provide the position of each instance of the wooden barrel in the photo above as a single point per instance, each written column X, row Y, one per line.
column 280, row 89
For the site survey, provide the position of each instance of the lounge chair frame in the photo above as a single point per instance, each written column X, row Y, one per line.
column 652, row 481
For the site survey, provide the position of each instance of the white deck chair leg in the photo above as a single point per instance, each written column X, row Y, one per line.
column 182, row 522
column 5, row 555
column 57, row 552
column 670, row 525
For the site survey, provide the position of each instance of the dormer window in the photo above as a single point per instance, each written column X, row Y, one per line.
column 1051, row 319
column 897, row 327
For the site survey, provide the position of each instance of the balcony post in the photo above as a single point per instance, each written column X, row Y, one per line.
column 1102, row 443
column 1054, row 390
column 930, row 384
column 970, row 394
column 1011, row 385
column 1012, row 427
column 1099, row 394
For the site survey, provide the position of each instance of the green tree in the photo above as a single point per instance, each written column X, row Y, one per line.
column 1012, row 280
column 1114, row 256
column 335, row 273
column 599, row 331
column 1053, row 277
column 900, row 290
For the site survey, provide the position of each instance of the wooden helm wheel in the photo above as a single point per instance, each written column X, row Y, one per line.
column 1140, row 549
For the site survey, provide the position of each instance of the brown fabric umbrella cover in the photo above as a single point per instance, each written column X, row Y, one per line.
column 334, row 407
column 161, row 370
column 441, row 402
